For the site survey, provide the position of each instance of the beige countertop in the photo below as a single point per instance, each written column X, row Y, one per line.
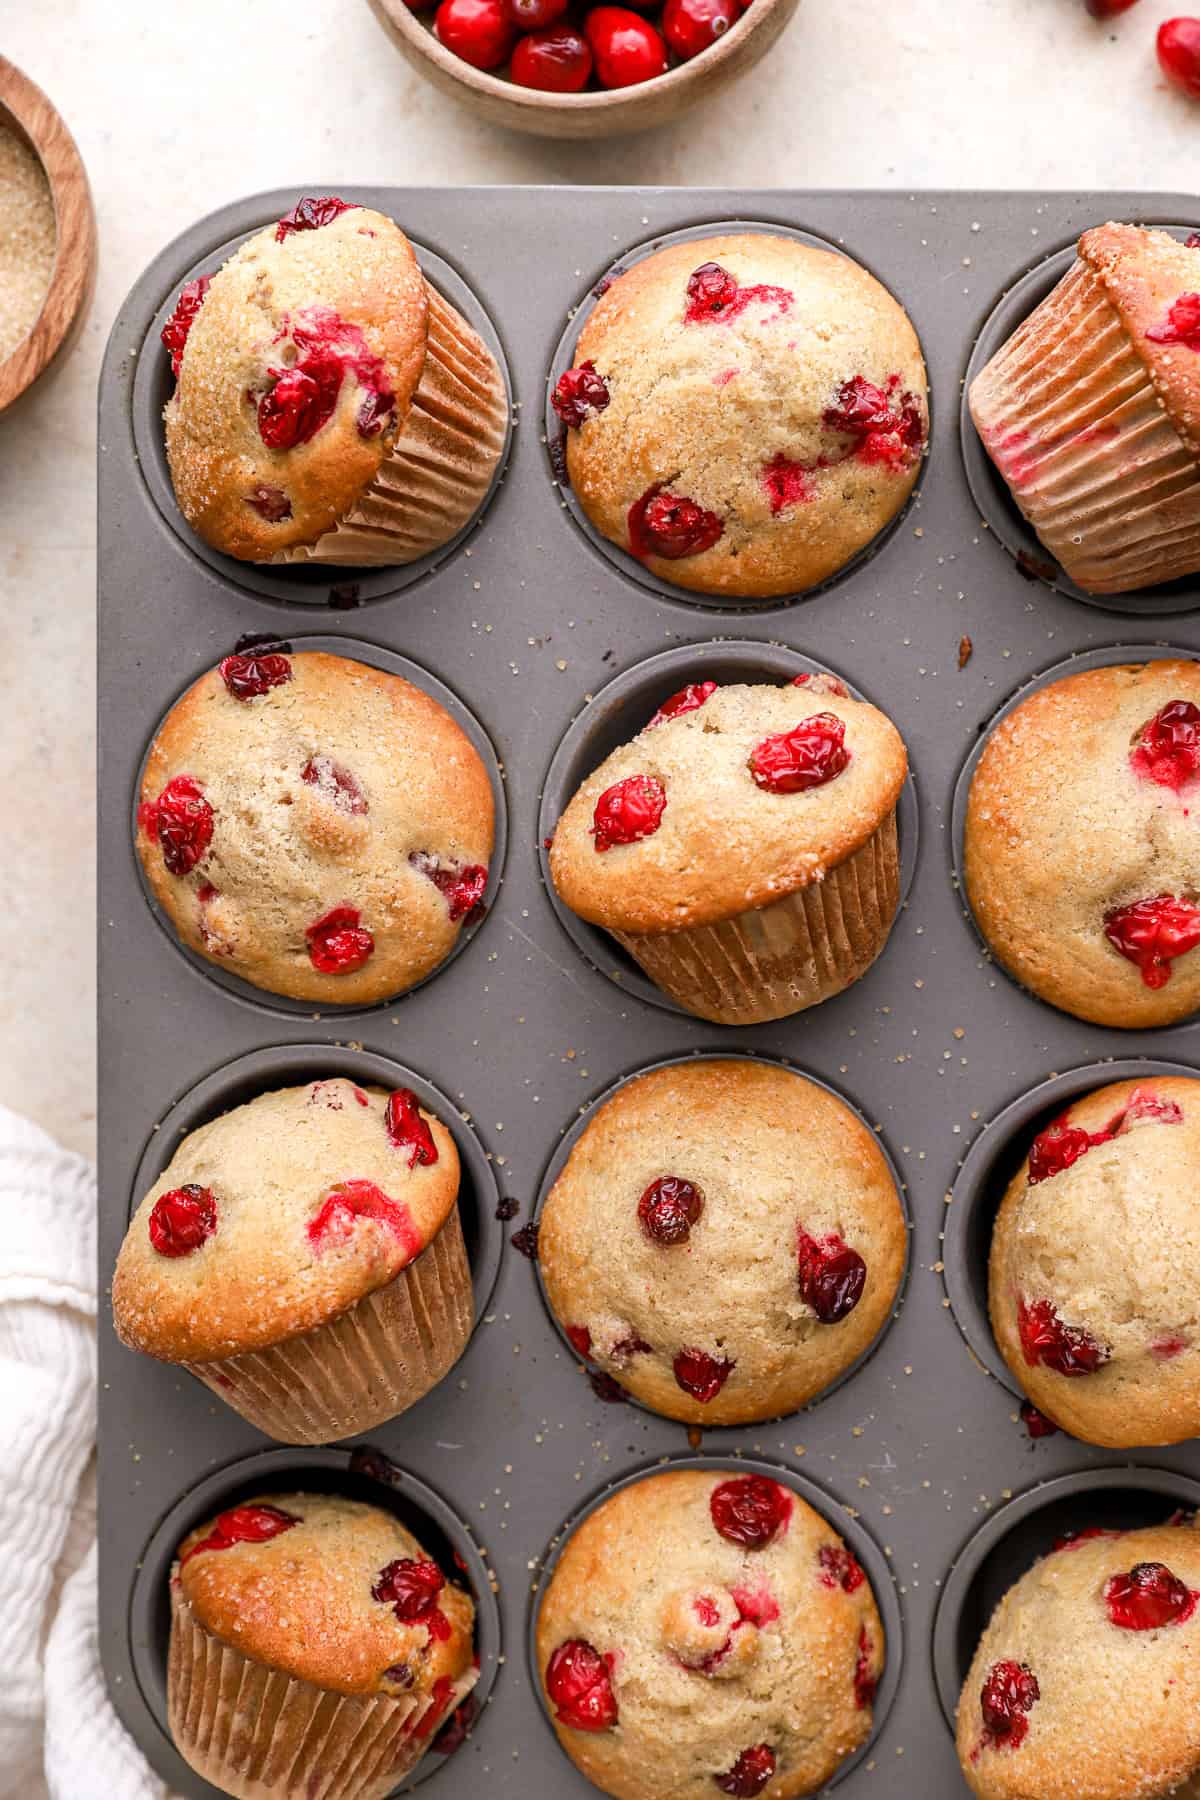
column 180, row 108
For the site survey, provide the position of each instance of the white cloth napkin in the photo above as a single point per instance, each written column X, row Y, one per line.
column 59, row 1736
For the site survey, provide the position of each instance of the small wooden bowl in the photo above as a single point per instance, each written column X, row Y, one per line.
column 607, row 114
column 26, row 111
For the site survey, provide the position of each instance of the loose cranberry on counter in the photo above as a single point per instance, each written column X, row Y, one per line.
column 750, row 1511
column 580, row 1688
column 533, row 15
column 1152, row 933
column 1009, row 1693
column 749, row 1774
column 627, row 49
column 669, row 1208
column 690, row 26
column 1108, row 9
column 628, row 811
column 477, row 30
column 1179, row 54
column 1147, row 1598
column 183, row 1219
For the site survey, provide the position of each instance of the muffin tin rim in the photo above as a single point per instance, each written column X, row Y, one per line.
column 600, row 952
column 391, row 662
column 569, row 1136
column 622, row 561
column 848, row 1526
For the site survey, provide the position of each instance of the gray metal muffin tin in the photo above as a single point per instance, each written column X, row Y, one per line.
column 528, row 622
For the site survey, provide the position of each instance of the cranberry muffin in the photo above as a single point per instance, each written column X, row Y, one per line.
column 1082, row 861
column 316, row 826
column 706, row 1633
column 743, row 847
column 1087, row 1679
column 330, row 405
column 1091, row 412
column 745, row 413
column 315, row 1649
column 1105, row 1344
column 303, row 1256
column 721, row 1288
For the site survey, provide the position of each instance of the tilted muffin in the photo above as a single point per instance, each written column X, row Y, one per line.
column 1082, row 861
column 315, row 1649
column 331, row 406
column 1087, row 1679
column 303, row 1256
column 745, row 413
column 725, row 1240
column 316, row 826
column 743, row 847
column 1095, row 1265
column 706, row 1633
column 1091, row 412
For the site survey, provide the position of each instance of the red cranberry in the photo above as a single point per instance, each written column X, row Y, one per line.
column 1192, row 242
column 300, row 400
column 690, row 26
column 888, row 426
column 1147, row 1598
column 360, row 1199
column 1152, row 933
column 865, row 1682
column 1036, row 1423
column 477, row 30
column 581, row 1339
column 243, row 1525
column 1108, row 9
column 408, row 1130
column 669, row 525
column 303, row 395
column 1179, row 54
column 182, row 821
column 337, row 943
column 175, row 331
column 556, row 61
column 271, row 502
column 627, row 50
column 685, row 701
column 1009, row 1693
column 713, row 295
column 811, row 754
column 183, row 1220
column 578, row 1682
column 1168, row 750
column 750, row 1510
column 631, row 1346
column 700, row 1375
column 533, row 15
column 1057, row 1148
column 818, row 682
column 410, row 1588
column 457, row 1729
column 310, row 214
column 579, row 392
column 1071, row 1540
column 669, row 1208
column 750, row 1773
column 832, row 1276
column 462, row 887
column 247, row 677
column 1067, row 1349
column 335, row 784
column 1182, row 325
column 787, row 483
column 840, row 1568
column 628, row 811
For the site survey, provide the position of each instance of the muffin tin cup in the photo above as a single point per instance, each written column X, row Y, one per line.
column 1074, row 665
column 357, row 1474
column 848, row 1527
column 375, row 656
column 570, row 1138
column 530, row 621
column 563, row 359
column 298, row 583
column 979, row 1187
column 1017, row 1534
column 997, row 507
column 614, row 716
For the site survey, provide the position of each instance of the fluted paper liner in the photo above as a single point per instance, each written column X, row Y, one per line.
column 442, row 463
column 370, row 1364
column 779, row 959
column 259, row 1734
column 1069, row 415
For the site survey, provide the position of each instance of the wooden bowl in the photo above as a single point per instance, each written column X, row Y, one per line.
column 607, row 114
column 26, row 111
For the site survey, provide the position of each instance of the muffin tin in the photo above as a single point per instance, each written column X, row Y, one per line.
column 551, row 646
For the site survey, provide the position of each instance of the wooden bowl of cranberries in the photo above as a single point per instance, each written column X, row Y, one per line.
column 582, row 68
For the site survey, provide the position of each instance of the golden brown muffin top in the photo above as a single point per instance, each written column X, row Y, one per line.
column 279, row 1216
column 1153, row 282
column 700, row 1623
column 743, row 798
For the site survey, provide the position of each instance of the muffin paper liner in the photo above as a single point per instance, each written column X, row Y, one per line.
column 259, row 1734
column 1070, row 417
column 781, row 958
column 441, row 465
column 370, row 1364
